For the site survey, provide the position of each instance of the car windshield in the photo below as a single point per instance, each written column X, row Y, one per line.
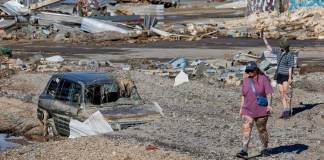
column 101, row 93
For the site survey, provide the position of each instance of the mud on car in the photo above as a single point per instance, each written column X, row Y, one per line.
column 77, row 95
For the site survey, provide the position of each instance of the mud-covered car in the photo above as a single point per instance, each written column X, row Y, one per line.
column 77, row 95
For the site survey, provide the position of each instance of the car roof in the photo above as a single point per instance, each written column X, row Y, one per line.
column 87, row 78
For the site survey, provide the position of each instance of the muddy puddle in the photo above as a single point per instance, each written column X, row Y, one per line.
column 10, row 142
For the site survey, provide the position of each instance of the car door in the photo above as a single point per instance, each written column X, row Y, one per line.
column 67, row 102
column 46, row 99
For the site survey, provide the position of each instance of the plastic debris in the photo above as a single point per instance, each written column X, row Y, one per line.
column 94, row 125
column 181, row 78
column 178, row 63
column 55, row 59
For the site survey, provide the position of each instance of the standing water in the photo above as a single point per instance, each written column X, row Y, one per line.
column 9, row 142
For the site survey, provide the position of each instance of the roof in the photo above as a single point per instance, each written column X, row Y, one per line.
column 87, row 78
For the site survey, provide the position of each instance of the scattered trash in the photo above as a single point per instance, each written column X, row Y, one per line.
column 245, row 57
column 181, row 78
column 178, row 63
column 95, row 26
column 152, row 147
column 264, row 65
column 126, row 67
column 197, row 62
column 94, row 125
column 55, row 59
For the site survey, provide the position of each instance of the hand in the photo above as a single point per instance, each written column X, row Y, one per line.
column 269, row 108
column 261, row 34
column 290, row 81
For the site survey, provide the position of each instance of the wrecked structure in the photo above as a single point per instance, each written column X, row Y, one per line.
column 77, row 95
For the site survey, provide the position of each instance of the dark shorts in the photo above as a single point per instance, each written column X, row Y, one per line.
column 282, row 78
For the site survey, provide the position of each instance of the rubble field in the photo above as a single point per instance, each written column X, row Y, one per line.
column 201, row 120
column 185, row 58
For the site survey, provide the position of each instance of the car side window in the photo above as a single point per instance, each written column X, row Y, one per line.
column 70, row 93
column 63, row 92
column 52, row 87
column 75, row 94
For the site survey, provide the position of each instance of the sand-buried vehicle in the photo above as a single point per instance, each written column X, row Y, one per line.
column 77, row 95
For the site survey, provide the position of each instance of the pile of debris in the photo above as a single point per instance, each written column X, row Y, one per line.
column 96, row 21
column 74, row 21
column 303, row 23
column 5, row 61
column 36, row 63
column 230, row 71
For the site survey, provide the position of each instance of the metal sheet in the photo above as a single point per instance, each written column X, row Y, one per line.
column 51, row 18
column 95, row 26
column 15, row 7
column 4, row 23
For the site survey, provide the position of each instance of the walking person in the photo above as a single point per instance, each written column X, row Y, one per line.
column 285, row 64
column 255, row 107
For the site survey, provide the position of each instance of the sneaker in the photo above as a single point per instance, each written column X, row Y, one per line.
column 285, row 115
column 242, row 154
column 265, row 153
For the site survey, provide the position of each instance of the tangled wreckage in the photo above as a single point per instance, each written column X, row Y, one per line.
column 76, row 96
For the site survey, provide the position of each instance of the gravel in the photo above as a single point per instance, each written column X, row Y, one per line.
column 201, row 122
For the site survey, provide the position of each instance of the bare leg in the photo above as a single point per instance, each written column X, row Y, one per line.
column 261, row 124
column 283, row 89
column 246, row 130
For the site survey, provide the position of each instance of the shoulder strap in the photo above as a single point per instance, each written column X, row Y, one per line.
column 252, row 86
column 282, row 57
column 278, row 63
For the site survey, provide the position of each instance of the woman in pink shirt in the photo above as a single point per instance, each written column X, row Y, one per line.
column 255, row 85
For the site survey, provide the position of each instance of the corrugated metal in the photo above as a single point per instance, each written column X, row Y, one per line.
column 95, row 26
column 50, row 18
column 7, row 23
column 152, row 10
column 15, row 7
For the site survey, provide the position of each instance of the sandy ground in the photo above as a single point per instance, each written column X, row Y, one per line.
column 201, row 122
column 201, row 117
column 98, row 147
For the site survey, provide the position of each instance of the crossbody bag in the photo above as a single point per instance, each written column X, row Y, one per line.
column 260, row 100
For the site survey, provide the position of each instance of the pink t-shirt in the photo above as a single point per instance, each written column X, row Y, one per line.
column 263, row 87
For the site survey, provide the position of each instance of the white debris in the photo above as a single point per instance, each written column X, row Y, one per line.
column 181, row 78
column 234, row 5
column 94, row 125
column 55, row 59
column 159, row 108
column 95, row 26
column 270, row 57
column 16, row 7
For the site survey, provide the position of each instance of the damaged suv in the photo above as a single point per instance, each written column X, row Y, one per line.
column 77, row 95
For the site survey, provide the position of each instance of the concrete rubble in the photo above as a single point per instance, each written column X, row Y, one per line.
column 303, row 23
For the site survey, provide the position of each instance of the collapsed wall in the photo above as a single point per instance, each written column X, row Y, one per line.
column 303, row 23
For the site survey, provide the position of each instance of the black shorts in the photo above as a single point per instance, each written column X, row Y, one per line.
column 282, row 78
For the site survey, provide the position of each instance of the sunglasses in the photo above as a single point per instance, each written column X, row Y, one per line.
column 249, row 71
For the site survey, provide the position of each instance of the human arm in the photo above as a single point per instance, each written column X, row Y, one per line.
column 241, row 105
column 267, row 43
column 269, row 97
column 290, row 76
column 290, row 65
